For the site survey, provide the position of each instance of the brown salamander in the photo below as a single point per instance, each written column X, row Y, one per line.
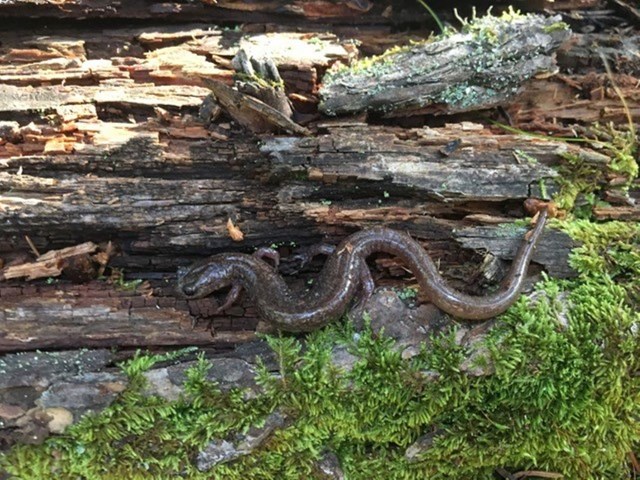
column 345, row 275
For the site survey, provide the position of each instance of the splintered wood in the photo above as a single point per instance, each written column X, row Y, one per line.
column 50, row 264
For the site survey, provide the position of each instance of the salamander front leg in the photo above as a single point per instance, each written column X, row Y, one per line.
column 232, row 296
column 313, row 251
column 269, row 253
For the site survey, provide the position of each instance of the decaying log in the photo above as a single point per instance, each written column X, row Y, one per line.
column 101, row 141
column 349, row 177
column 285, row 190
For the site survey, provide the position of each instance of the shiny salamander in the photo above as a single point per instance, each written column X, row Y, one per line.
column 345, row 275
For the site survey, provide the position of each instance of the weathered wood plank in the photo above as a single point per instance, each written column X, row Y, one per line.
column 351, row 176
column 101, row 315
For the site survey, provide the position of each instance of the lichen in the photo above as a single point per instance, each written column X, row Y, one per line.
column 487, row 73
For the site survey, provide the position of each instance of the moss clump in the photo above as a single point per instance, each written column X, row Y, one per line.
column 583, row 178
column 565, row 397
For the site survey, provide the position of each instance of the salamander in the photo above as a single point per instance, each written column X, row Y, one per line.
column 346, row 276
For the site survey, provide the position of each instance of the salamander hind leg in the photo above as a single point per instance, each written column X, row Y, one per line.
column 313, row 251
column 269, row 253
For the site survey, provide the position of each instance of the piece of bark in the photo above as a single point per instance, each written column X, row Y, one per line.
column 252, row 113
column 355, row 177
column 101, row 315
column 167, row 75
column 420, row 79
column 49, row 264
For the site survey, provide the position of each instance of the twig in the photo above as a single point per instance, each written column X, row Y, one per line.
column 537, row 473
column 32, row 246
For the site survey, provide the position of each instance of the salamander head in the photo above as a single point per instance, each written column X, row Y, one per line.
column 205, row 277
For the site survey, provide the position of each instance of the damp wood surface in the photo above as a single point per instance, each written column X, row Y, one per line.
column 100, row 142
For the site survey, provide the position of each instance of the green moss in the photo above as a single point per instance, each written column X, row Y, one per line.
column 583, row 176
column 117, row 279
column 260, row 81
column 583, row 173
column 554, row 27
column 374, row 66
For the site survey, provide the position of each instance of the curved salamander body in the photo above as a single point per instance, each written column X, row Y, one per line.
column 345, row 275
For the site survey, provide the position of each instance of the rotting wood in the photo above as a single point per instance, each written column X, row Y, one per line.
column 104, row 139
column 49, row 264
column 553, row 105
column 288, row 189
column 101, row 315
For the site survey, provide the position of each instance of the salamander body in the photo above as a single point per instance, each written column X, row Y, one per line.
column 346, row 275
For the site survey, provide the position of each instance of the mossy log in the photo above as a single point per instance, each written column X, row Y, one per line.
column 100, row 142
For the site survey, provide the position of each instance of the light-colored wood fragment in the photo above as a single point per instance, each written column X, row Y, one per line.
column 234, row 232
column 47, row 265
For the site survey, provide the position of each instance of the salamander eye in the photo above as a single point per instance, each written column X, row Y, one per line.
column 189, row 290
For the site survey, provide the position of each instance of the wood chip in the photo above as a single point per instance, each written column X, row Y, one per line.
column 234, row 232
column 48, row 265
